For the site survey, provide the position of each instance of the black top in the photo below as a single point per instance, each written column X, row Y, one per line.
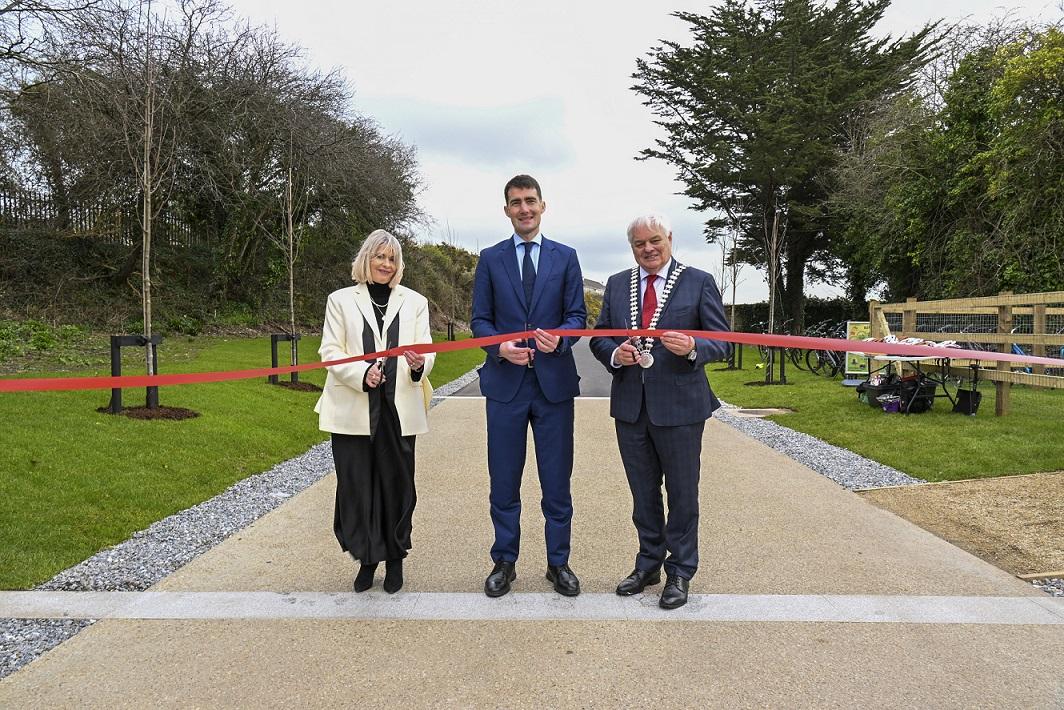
column 379, row 295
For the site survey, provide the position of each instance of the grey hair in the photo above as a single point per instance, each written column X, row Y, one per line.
column 361, row 271
column 653, row 221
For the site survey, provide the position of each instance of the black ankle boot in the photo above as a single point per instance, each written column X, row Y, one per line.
column 393, row 576
column 364, row 578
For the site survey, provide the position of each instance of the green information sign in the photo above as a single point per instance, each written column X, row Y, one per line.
column 857, row 330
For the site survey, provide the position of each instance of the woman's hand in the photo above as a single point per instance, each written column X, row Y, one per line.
column 415, row 360
column 374, row 375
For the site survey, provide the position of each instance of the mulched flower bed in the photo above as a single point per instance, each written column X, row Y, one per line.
column 157, row 413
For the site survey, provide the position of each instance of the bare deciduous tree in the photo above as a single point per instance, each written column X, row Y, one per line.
column 171, row 106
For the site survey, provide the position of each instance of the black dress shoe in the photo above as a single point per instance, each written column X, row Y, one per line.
column 498, row 582
column 364, row 578
column 564, row 580
column 674, row 595
column 393, row 576
column 638, row 580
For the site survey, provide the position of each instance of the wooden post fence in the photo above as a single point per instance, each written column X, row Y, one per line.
column 952, row 319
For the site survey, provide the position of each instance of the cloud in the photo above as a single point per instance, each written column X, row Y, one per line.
column 531, row 133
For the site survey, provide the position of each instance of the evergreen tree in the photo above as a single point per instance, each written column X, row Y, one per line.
column 757, row 107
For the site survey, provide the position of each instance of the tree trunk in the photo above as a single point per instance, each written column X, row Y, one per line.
column 794, row 288
column 146, row 220
column 290, row 243
column 772, row 253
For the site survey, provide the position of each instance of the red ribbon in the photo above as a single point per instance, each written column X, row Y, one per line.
column 787, row 341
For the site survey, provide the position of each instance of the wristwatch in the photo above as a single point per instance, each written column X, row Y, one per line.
column 693, row 355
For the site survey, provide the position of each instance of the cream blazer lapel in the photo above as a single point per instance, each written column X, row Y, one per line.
column 365, row 307
column 395, row 302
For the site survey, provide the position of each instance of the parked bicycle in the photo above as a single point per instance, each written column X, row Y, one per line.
column 828, row 362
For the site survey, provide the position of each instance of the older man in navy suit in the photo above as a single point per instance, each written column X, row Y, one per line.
column 529, row 282
column 660, row 400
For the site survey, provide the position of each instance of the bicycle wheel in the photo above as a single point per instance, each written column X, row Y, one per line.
column 795, row 355
column 814, row 361
column 836, row 363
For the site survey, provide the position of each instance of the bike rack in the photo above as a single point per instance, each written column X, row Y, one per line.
column 151, row 394
column 282, row 337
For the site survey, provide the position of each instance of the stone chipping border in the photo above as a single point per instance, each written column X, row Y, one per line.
column 1054, row 586
column 843, row 466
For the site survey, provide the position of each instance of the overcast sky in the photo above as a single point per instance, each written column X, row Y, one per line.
column 488, row 89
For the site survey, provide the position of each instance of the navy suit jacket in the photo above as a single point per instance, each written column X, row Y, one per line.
column 499, row 307
column 676, row 389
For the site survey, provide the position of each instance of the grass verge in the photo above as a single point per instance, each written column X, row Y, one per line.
column 73, row 481
column 936, row 446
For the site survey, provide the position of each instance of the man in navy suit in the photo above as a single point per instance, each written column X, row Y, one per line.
column 660, row 400
column 529, row 282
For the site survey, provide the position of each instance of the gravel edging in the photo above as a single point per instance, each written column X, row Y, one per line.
column 156, row 552
column 1054, row 586
column 849, row 470
column 152, row 554
column 22, row 640
column 454, row 385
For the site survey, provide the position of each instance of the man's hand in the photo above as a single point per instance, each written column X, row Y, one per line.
column 513, row 351
column 415, row 360
column 545, row 342
column 626, row 354
column 678, row 343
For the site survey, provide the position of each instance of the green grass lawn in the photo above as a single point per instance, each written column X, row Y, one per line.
column 73, row 480
column 937, row 445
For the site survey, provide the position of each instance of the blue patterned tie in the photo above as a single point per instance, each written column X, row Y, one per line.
column 528, row 274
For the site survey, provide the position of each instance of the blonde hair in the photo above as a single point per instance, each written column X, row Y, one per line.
column 361, row 271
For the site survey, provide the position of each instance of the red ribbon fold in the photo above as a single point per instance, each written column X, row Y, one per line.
column 42, row 384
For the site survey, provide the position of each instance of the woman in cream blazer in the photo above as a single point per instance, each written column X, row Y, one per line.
column 374, row 409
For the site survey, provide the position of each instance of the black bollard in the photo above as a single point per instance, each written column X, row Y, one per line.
column 282, row 337
column 151, row 394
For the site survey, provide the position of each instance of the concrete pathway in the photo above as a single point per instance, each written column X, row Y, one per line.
column 806, row 597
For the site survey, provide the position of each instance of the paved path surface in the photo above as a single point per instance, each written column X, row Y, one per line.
column 806, row 597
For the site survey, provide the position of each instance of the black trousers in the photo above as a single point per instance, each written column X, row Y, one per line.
column 375, row 495
column 673, row 453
